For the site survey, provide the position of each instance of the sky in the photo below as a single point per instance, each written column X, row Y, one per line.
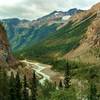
column 32, row 9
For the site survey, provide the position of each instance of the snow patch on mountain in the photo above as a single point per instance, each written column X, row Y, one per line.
column 66, row 17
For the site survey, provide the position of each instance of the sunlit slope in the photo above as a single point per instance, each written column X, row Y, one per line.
column 61, row 42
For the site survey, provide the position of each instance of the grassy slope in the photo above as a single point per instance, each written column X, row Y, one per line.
column 58, row 44
column 21, row 36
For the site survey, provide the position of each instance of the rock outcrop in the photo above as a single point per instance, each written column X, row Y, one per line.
column 6, row 57
column 89, row 48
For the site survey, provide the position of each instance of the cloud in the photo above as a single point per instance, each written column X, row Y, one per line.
column 31, row 9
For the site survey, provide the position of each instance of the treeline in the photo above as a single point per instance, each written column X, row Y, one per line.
column 14, row 88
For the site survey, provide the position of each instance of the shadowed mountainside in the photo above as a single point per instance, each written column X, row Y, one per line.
column 24, row 32
column 6, row 57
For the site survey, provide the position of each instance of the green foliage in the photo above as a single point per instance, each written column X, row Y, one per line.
column 25, row 89
column 4, row 89
column 34, row 87
column 67, row 76
column 92, row 74
column 93, row 92
column 59, row 64
column 46, row 89
column 18, row 86
column 63, row 95
column 12, row 91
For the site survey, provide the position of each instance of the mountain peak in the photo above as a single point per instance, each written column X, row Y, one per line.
column 54, row 12
column 73, row 11
column 96, row 6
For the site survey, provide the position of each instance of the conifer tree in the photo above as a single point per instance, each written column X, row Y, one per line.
column 93, row 92
column 34, row 87
column 60, row 84
column 67, row 76
column 25, row 90
column 18, row 86
column 12, row 87
column 1, row 78
column 5, row 86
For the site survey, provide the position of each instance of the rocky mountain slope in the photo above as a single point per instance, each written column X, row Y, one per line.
column 89, row 48
column 78, row 39
column 24, row 32
column 6, row 57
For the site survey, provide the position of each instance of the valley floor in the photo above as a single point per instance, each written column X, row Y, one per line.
column 44, row 71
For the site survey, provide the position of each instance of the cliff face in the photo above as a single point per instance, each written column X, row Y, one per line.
column 6, row 57
column 89, row 48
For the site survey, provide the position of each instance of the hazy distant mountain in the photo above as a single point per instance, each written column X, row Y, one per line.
column 73, row 11
column 24, row 32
